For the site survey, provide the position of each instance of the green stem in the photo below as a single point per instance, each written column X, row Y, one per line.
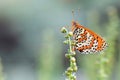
column 72, row 69
column 70, row 45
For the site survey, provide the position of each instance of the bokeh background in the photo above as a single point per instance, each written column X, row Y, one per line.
column 31, row 44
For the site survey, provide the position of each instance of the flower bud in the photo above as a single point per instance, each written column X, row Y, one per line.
column 74, row 53
column 65, row 42
column 67, row 73
column 74, row 64
column 73, row 78
column 63, row 30
column 73, row 59
column 73, row 43
column 75, row 68
column 67, row 55
column 70, row 34
column 69, row 69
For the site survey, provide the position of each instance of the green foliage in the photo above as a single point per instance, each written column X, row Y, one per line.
column 1, row 71
column 49, row 63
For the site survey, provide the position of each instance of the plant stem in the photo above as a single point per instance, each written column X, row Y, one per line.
column 70, row 45
column 72, row 69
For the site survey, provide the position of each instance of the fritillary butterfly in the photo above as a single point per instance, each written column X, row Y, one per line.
column 86, row 40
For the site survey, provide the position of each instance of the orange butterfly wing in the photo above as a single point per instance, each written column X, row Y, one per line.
column 86, row 40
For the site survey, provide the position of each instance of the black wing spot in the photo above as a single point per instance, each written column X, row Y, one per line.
column 95, row 45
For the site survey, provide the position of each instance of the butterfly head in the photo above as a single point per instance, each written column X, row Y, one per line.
column 74, row 25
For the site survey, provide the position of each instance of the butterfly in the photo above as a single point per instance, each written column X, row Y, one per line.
column 87, row 41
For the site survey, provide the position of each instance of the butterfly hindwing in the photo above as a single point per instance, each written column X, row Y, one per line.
column 86, row 40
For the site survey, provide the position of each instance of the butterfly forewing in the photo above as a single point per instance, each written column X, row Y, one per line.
column 86, row 40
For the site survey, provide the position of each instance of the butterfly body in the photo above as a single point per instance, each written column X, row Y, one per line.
column 86, row 40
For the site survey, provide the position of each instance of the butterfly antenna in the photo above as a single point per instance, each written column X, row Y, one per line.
column 73, row 20
column 78, row 11
column 73, row 14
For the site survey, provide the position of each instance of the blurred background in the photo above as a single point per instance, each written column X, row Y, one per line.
column 31, row 44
